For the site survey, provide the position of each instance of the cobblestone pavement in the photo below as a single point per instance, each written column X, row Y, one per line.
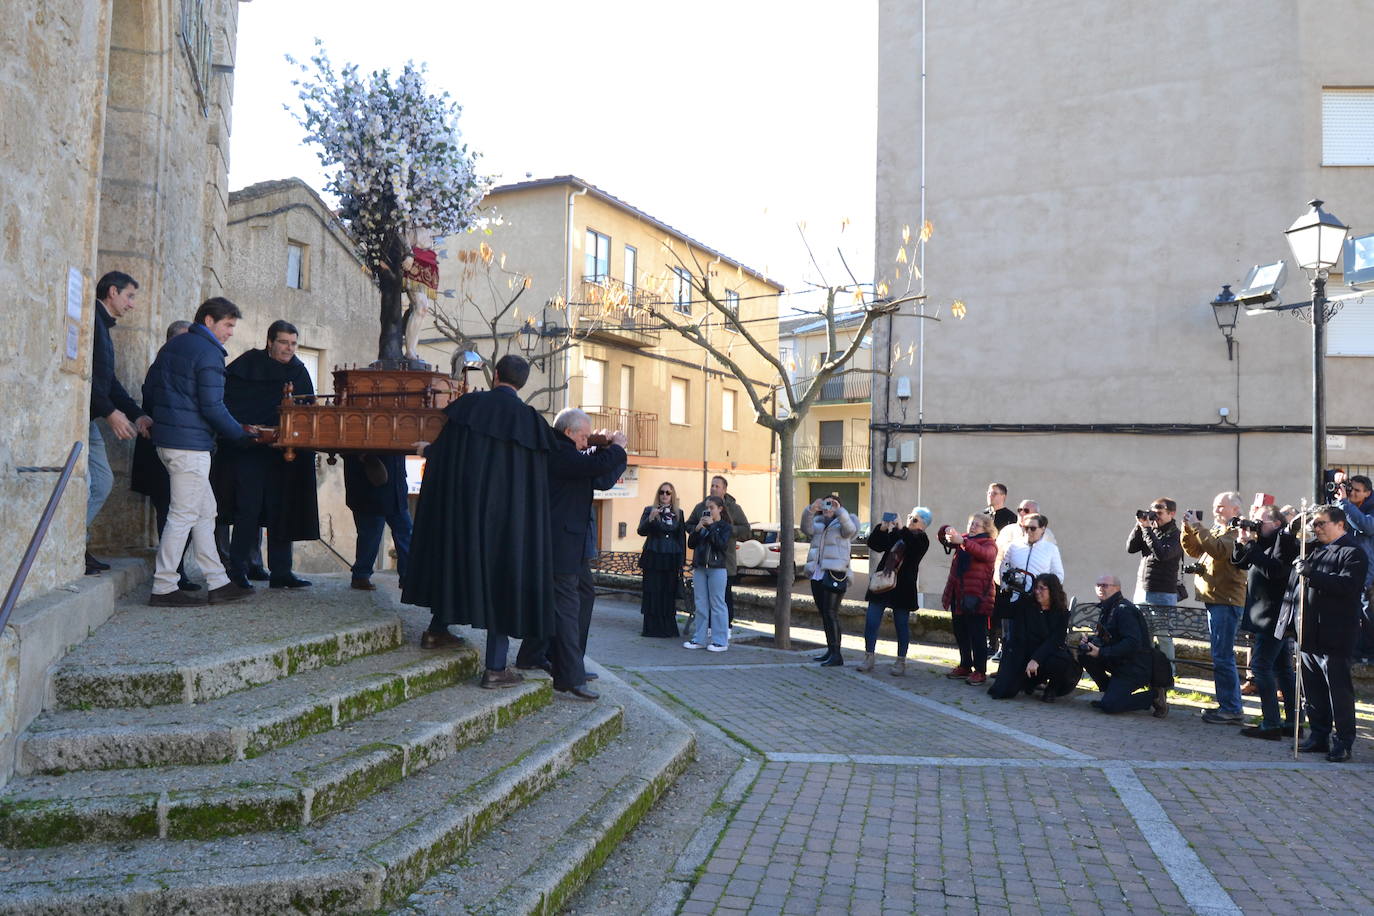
column 877, row 794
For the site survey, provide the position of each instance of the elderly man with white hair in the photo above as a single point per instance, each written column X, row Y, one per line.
column 574, row 471
column 1221, row 586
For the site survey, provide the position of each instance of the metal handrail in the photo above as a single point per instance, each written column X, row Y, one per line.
column 35, row 542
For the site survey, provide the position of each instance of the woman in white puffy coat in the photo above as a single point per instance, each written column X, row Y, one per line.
column 831, row 529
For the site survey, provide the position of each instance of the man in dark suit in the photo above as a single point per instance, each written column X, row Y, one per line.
column 1333, row 575
column 573, row 474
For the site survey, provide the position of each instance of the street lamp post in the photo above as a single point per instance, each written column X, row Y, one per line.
column 1316, row 238
column 1226, row 309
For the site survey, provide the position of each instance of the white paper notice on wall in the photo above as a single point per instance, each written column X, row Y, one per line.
column 76, row 296
column 1336, row 443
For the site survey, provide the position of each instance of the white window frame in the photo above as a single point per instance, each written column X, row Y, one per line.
column 596, row 265
column 297, row 273
column 679, row 396
column 682, row 291
column 732, row 303
column 593, row 384
column 1347, row 126
column 631, row 269
column 627, row 387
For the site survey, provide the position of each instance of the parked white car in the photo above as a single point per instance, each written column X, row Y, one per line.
column 762, row 552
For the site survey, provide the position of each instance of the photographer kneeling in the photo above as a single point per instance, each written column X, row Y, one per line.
column 1267, row 551
column 1118, row 658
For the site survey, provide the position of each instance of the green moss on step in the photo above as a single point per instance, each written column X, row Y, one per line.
column 376, row 766
column 231, row 811
column 384, row 694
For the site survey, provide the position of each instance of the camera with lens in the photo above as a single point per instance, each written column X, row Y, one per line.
column 1243, row 524
column 1193, row 569
column 1146, row 515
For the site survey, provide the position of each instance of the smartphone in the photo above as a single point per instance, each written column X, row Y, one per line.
column 889, row 517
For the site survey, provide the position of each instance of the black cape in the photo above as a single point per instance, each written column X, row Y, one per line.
column 252, row 393
column 481, row 552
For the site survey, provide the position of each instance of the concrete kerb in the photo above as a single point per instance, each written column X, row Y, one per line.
column 39, row 635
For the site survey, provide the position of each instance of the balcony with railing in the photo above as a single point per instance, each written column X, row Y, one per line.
column 851, row 389
column 639, row 426
column 616, row 311
column 807, row 457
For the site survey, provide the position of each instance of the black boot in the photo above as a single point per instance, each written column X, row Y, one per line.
column 832, row 639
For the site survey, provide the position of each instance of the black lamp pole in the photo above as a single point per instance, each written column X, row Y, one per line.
column 1319, row 385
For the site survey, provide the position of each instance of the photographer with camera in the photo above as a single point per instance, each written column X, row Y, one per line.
column 1265, row 550
column 739, row 522
column 1332, row 574
column 969, row 593
column 713, row 542
column 892, row 583
column 1117, row 657
column 1221, row 587
column 660, row 562
column 1353, row 496
column 830, row 527
column 1157, row 539
column 1023, row 562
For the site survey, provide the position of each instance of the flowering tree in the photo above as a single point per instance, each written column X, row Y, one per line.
column 398, row 166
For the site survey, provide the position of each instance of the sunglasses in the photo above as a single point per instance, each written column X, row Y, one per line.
column 1032, row 527
column 1319, row 523
column 1022, row 511
column 665, row 492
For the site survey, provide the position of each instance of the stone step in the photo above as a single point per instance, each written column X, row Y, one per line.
column 145, row 656
column 356, row 861
column 292, row 786
column 242, row 724
column 579, row 821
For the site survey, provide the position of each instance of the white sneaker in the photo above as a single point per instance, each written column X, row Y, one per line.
column 689, row 644
column 715, row 648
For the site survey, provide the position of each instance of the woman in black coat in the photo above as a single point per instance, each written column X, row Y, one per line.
column 1036, row 653
column 665, row 548
column 902, row 550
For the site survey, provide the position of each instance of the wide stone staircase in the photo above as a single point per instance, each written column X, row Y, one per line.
column 297, row 753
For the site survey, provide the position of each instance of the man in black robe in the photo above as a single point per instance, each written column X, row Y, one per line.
column 254, row 484
column 481, row 552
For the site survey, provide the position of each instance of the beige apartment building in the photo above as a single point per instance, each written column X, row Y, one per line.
column 832, row 449
column 1093, row 179
column 599, row 270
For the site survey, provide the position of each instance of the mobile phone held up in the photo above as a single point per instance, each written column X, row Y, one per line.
column 889, row 517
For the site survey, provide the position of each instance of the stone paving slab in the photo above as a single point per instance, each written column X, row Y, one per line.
column 805, row 709
column 1278, row 841
column 817, row 838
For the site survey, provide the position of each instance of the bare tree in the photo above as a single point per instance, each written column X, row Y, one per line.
column 842, row 301
column 487, row 319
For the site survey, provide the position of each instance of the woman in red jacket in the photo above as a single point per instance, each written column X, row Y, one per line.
column 969, row 593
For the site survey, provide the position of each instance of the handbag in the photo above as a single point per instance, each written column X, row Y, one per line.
column 885, row 579
column 969, row 604
column 835, row 582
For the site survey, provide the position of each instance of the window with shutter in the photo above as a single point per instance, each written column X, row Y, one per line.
column 1348, row 127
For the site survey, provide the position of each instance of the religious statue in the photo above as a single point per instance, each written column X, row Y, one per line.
column 420, row 273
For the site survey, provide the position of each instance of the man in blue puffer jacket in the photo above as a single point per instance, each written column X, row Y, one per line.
column 184, row 394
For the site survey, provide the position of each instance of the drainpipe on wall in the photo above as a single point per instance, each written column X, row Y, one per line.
column 568, row 263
